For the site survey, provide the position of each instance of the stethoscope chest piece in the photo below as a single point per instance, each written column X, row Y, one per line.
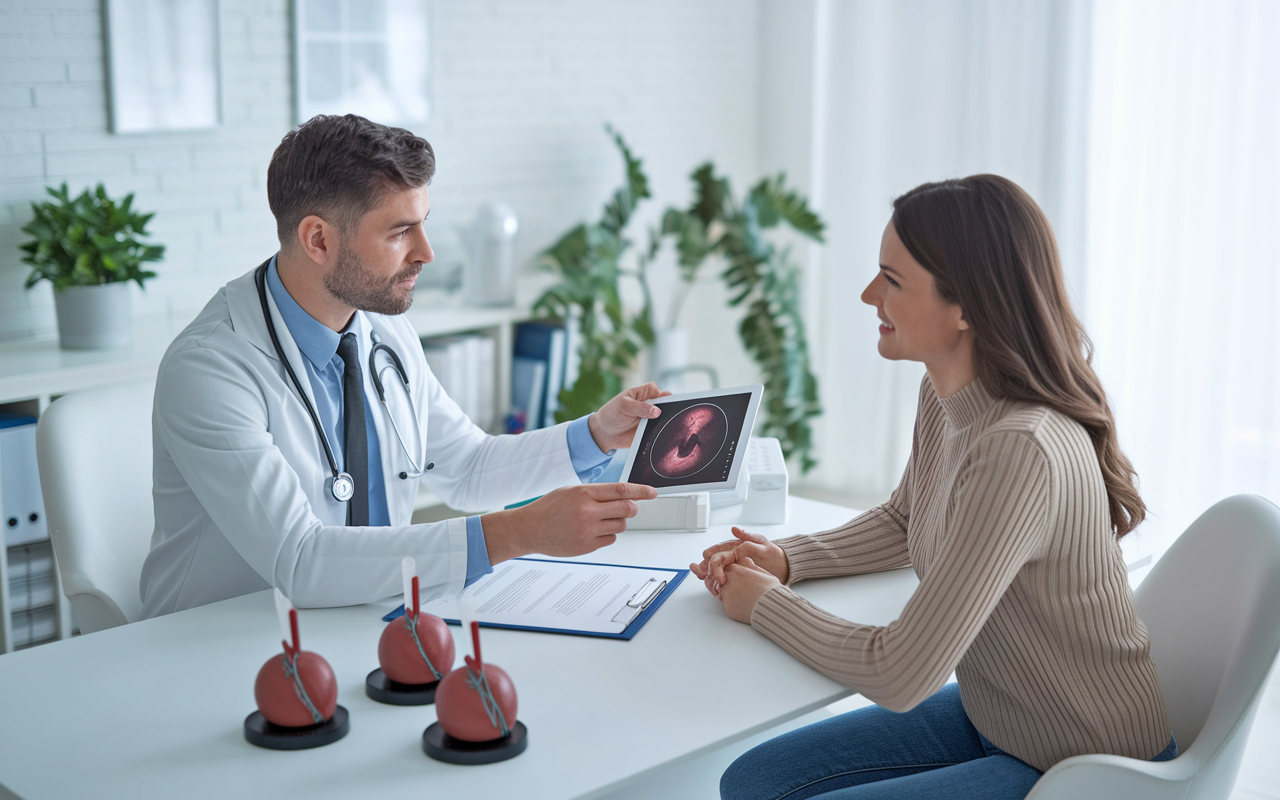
column 342, row 486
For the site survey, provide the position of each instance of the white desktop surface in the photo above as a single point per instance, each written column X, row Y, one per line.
column 155, row 709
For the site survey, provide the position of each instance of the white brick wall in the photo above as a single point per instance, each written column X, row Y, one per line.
column 521, row 92
column 51, row 54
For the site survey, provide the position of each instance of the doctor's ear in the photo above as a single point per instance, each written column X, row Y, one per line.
column 318, row 239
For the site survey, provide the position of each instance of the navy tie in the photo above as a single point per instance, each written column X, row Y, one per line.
column 355, row 443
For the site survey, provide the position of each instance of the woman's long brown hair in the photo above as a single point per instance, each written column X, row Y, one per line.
column 992, row 251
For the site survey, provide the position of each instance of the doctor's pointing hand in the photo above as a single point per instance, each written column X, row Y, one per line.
column 296, row 416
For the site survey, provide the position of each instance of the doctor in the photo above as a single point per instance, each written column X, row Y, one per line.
column 296, row 415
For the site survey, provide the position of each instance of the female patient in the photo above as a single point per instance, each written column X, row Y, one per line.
column 1009, row 512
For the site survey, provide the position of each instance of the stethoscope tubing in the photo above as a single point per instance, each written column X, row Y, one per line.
column 341, row 485
column 338, row 487
column 414, row 471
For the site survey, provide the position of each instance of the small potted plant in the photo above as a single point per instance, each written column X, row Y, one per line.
column 89, row 247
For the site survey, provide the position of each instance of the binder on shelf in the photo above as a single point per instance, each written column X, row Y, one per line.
column 21, row 505
column 447, row 358
column 527, row 378
column 545, row 342
column 486, row 369
column 465, row 366
column 37, row 626
column 31, row 579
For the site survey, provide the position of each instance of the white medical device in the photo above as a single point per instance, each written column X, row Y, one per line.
column 673, row 512
column 766, row 502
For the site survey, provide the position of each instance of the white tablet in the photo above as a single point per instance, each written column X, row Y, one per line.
column 697, row 443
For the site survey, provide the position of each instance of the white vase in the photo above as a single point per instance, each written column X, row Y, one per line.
column 670, row 358
column 490, row 278
column 94, row 316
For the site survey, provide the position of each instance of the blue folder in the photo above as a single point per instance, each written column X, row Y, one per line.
column 631, row 630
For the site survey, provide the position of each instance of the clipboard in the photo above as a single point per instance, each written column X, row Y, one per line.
column 648, row 599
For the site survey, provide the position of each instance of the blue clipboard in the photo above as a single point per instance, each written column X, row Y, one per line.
column 626, row 635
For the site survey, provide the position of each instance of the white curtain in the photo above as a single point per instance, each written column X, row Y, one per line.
column 1183, row 248
column 1149, row 131
column 911, row 92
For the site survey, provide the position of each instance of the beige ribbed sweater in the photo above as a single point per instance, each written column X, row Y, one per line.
column 1002, row 512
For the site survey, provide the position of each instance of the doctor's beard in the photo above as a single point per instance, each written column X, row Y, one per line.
column 353, row 283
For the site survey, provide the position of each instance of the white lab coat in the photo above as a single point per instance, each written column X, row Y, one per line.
column 240, row 477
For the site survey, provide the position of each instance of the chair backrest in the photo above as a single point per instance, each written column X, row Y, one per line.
column 94, row 449
column 1212, row 605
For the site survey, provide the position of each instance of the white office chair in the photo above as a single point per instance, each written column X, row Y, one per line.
column 1212, row 604
column 94, row 449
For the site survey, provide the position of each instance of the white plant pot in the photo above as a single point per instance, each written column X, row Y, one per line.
column 670, row 358
column 94, row 316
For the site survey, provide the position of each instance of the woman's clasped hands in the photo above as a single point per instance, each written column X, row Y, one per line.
column 741, row 570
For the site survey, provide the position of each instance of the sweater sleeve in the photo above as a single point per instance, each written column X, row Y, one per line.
column 999, row 507
column 871, row 542
column 877, row 539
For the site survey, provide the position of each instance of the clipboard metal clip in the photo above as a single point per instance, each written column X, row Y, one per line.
column 651, row 589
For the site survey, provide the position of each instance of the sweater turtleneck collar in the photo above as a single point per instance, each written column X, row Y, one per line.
column 965, row 406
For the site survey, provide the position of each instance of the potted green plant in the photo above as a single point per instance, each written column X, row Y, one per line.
column 765, row 281
column 764, row 278
column 587, row 260
column 89, row 247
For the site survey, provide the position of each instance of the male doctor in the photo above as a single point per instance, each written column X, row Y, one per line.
column 275, row 461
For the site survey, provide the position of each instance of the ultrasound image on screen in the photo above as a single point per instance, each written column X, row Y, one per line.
column 691, row 441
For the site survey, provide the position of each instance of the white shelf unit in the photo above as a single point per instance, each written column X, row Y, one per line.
column 35, row 372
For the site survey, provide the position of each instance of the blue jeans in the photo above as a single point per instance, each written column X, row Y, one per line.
column 931, row 751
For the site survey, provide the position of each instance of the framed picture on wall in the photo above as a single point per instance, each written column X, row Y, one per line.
column 163, row 65
column 366, row 57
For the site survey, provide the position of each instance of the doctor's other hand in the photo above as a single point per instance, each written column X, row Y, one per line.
column 614, row 425
column 763, row 553
column 746, row 583
column 569, row 521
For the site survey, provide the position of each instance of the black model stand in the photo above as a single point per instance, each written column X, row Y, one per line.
column 274, row 737
column 443, row 747
column 381, row 688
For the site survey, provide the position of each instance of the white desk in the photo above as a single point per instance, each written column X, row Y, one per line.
column 155, row 709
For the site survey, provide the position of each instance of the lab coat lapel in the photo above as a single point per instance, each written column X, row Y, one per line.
column 245, row 308
column 401, row 494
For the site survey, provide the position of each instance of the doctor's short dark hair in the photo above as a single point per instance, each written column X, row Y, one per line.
column 338, row 168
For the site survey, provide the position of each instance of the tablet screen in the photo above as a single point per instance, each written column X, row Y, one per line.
column 692, row 442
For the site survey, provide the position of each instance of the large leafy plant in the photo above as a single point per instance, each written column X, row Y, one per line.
column 87, row 240
column 763, row 277
column 765, row 282
column 587, row 260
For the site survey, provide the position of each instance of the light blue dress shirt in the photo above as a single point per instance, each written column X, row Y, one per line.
column 319, row 345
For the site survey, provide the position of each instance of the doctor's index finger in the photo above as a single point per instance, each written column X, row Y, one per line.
column 645, row 391
column 638, row 408
column 616, row 509
column 622, row 491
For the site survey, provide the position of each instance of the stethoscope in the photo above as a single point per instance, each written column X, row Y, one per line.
column 341, row 484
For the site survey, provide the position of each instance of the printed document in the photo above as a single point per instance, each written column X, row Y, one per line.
column 560, row 595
